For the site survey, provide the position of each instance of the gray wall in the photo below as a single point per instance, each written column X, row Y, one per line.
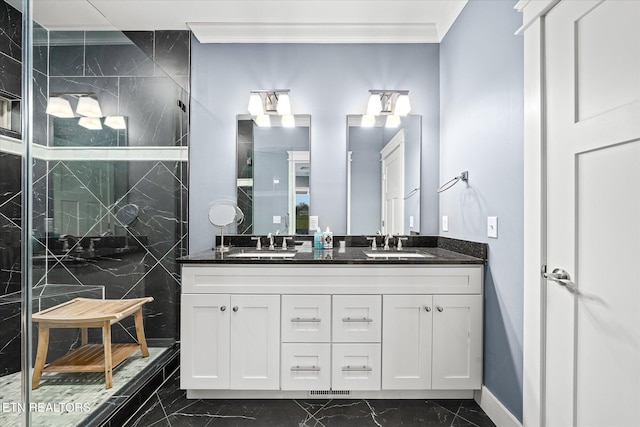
column 326, row 81
column 481, row 68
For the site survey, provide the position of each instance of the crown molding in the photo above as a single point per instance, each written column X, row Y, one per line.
column 223, row 32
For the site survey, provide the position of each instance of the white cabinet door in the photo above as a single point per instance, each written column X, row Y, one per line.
column 356, row 318
column 255, row 342
column 355, row 367
column 306, row 366
column 457, row 342
column 204, row 359
column 306, row 318
column 406, row 342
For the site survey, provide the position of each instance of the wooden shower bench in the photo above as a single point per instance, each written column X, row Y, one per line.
column 87, row 313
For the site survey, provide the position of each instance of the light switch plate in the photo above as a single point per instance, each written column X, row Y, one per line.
column 276, row 219
column 313, row 222
column 411, row 221
column 492, row 227
column 445, row 223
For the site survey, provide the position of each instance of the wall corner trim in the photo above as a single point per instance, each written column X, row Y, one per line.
column 498, row 413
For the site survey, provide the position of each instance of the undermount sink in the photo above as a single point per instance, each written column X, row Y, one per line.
column 263, row 254
column 386, row 254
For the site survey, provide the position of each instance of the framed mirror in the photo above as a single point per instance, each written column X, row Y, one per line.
column 383, row 176
column 273, row 169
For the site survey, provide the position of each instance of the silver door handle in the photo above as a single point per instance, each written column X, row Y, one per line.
column 561, row 277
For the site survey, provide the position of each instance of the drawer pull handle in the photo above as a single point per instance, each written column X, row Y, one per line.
column 306, row 320
column 299, row 368
column 363, row 368
column 357, row 319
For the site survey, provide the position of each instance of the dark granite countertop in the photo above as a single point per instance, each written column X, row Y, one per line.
column 434, row 250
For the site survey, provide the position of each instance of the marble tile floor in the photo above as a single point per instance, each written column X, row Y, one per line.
column 169, row 407
column 84, row 391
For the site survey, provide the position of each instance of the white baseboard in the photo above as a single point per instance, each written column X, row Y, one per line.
column 500, row 415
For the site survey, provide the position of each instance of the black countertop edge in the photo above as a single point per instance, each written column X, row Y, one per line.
column 465, row 247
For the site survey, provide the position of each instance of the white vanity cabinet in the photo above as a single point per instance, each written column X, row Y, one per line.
column 230, row 342
column 355, row 330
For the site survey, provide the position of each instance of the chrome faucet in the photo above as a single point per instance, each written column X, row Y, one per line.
column 270, row 237
column 386, row 241
column 284, row 242
column 400, row 239
column 258, row 242
column 374, row 246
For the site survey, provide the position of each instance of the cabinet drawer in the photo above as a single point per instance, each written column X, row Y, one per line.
column 306, row 318
column 306, row 366
column 357, row 318
column 355, row 367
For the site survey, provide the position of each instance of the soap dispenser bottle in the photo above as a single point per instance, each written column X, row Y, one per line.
column 327, row 238
column 317, row 239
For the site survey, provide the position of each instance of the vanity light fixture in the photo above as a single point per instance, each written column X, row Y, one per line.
column 115, row 122
column 394, row 102
column 263, row 121
column 59, row 107
column 92, row 123
column 88, row 107
column 271, row 101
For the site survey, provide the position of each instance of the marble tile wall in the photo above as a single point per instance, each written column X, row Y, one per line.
column 140, row 76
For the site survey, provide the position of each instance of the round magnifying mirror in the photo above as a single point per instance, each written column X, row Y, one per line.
column 222, row 215
column 127, row 214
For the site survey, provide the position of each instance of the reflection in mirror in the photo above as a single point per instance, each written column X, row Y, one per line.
column 383, row 176
column 273, row 165
column 67, row 132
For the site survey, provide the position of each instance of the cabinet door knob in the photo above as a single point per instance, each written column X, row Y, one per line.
column 235, row 308
column 223, row 308
column 427, row 308
column 440, row 308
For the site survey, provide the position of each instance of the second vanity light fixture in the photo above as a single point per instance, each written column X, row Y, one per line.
column 263, row 104
column 88, row 108
column 391, row 103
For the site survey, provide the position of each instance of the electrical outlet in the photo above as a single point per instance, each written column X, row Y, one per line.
column 277, row 219
column 445, row 223
column 492, row 227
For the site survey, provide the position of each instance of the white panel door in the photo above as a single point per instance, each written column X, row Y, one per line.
column 406, row 342
column 457, row 342
column 392, row 155
column 204, row 359
column 255, row 342
column 593, row 214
